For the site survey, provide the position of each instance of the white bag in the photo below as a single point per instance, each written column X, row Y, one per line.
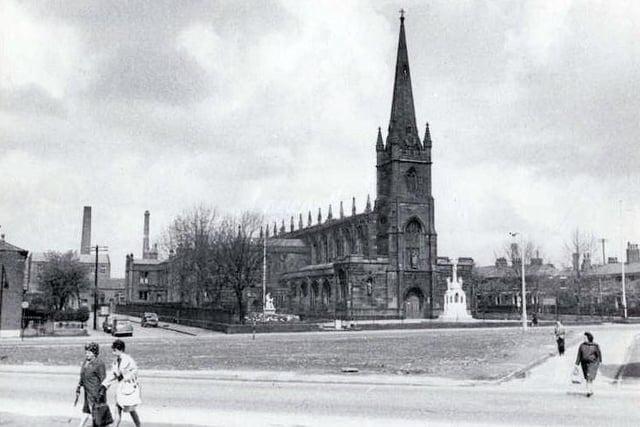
column 576, row 377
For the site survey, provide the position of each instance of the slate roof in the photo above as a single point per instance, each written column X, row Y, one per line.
column 8, row 247
column 493, row 272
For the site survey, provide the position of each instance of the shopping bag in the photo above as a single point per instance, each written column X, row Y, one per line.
column 101, row 415
column 576, row 377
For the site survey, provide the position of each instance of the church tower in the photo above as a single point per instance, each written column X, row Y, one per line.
column 404, row 204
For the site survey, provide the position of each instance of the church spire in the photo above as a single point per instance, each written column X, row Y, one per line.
column 402, row 125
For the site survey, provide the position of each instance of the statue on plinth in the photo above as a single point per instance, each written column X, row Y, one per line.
column 455, row 300
column 268, row 304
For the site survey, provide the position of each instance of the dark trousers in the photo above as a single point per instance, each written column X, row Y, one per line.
column 560, row 342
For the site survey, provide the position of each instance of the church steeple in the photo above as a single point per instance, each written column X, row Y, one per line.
column 402, row 125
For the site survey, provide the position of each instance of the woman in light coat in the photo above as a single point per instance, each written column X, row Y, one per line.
column 124, row 372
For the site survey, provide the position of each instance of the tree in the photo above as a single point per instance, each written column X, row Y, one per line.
column 190, row 242
column 579, row 249
column 513, row 252
column 238, row 256
column 63, row 278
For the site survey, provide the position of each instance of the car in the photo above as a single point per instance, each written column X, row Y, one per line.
column 149, row 319
column 121, row 327
column 107, row 325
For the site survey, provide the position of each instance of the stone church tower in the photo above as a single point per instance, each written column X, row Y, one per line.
column 404, row 205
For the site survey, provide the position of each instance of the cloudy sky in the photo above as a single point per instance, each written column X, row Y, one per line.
column 274, row 106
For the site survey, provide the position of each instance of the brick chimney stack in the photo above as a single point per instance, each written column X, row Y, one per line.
column 145, row 240
column 85, row 244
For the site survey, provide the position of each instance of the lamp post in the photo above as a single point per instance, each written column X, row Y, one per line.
column 97, row 249
column 524, row 294
column 622, row 256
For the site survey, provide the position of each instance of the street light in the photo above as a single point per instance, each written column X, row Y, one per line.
column 524, row 295
column 624, row 293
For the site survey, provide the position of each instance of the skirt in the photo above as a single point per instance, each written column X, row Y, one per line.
column 590, row 370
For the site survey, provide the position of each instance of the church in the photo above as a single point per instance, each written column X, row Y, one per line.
column 381, row 263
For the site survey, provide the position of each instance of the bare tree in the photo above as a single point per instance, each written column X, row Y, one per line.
column 190, row 240
column 238, row 256
column 63, row 278
column 579, row 249
column 580, row 246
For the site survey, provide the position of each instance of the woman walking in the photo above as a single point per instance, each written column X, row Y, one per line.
column 92, row 373
column 124, row 371
column 589, row 358
column 560, row 333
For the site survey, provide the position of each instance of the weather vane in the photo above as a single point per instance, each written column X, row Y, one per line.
column 401, row 13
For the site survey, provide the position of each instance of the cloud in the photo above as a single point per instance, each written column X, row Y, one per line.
column 30, row 99
column 274, row 106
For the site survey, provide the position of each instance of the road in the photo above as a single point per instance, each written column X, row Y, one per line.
column 239, row 403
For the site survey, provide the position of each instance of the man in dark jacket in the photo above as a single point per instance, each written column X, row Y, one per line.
column 589, row 358
column 92, row 374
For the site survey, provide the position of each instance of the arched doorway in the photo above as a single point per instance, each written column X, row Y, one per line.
column 413, row 304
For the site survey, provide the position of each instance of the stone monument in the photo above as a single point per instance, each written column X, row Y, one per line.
column 268, row 305
column 455, row 300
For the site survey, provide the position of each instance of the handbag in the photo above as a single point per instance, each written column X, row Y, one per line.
column 101, row 414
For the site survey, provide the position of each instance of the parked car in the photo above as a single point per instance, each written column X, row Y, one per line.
column 107, row 325
column 149, row 319
column 121, row 327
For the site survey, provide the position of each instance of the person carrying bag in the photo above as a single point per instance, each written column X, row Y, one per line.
column 124, row 372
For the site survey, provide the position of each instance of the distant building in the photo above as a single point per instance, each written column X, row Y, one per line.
column 584, row 288
column 12, row 266
column 146, row 277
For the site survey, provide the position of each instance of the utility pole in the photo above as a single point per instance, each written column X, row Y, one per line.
column 97, row 249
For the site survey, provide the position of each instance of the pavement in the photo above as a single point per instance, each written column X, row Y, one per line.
column 555, row 372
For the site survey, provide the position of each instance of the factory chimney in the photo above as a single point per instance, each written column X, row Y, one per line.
column 85, row 244
column 145, row 240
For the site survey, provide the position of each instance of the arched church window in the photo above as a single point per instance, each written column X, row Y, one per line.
column 339, row 244
column 364, row 241
column 412, row 181
column 325, row 246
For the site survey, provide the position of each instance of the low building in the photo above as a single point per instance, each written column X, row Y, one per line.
column 12, row 267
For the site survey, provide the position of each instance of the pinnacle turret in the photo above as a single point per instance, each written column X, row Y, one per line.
column 427, row 137
column 379, row 141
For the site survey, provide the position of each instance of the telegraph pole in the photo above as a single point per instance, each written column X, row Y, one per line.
column 97, row 249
